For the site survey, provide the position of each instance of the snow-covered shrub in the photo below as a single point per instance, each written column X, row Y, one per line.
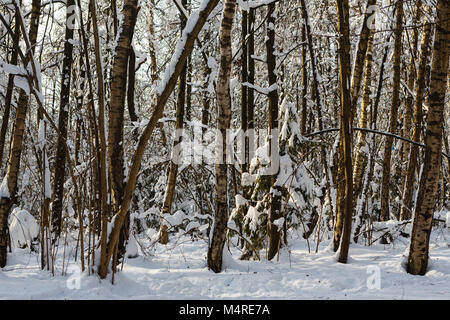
column 300, row 196
column 23, row 228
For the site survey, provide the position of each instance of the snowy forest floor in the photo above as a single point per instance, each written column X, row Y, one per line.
column 178, row 271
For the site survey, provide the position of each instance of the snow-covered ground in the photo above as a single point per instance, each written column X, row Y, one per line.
column 178, row 271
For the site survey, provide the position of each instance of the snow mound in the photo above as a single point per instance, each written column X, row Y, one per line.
column 23, row 228
column 132, row 248
column 229, row 263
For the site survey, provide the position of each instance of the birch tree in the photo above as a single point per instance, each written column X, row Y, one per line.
column 428, row 184
column 217, row 240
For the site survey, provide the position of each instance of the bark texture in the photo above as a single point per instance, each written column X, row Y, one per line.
column 217, row 241
column 275, row 196
column 405, row 212
column 361, row 154
column 429, row 180
column 60, row 168
column 173, row 167
column 412, row 73
column 360, row 57
column 386, row 179
column 116, row 112
column 346, row 137
column 12, row 173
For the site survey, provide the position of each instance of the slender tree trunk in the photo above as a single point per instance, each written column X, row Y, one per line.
column 102, row 137
column 12, row 174
column 78, row 117
column 60, row 164
column 373, row 125
column 405, row 212
column 153, row 64
column 275, row 197
column 316, row 96
column 176, row 150
column 116, row 112
column 250, row 79
column 250, row 108
column 360, row 58
column 428, row 185
column 244, row 88
column 8, row 97
column 386, row 179
column 217, row 241
column 131, row 86
column 361, row 154
column 362, row 148
column 304, row 111
column 189, row 89
column 409, row 99
column 346, row 135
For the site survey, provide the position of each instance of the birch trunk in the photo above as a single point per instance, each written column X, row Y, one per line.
column 428, row 185
column 386, row 179
column 412, row 73
column 12, row 174
column 102, row 138
column 360, row 58
column 217, row 241
column 405, row 212
column 361, row 154
column 8, row 97
column 163, row 95
column 176, row 150
column 116, row 112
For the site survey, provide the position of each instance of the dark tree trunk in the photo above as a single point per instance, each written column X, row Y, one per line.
column 346, row 137
column 60, row 165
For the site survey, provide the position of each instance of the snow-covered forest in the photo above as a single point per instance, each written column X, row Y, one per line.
column 239, row 149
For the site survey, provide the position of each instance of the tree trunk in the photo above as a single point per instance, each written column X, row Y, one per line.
column 153, row 64
column 8, row 97
column 346, row 137
column 412, row 73
column 304, row 111
column 60, row 161
column 164, row 93
column 360, row 58
column 176, row 150
column 131, row 86
column 116, row 112
column 250, row 79
column 275, row 197
column 12, row 174
column 361, row 154
column 428, row 185
column 244, row 89
column 316, row 96
column 386, row 179
column 217, row 240
column 405, row 212
column 101, row 128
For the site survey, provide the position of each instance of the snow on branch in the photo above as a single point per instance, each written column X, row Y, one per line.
column 375, row 132
column 261, row 90
column 253, row 4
